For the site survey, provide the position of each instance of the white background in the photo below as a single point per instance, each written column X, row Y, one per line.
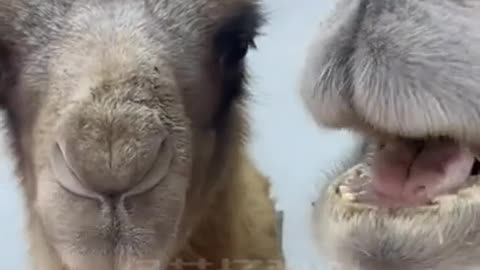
column 287, row 146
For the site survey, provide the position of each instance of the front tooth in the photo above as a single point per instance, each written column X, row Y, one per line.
column 348, row 196
column 344, row 189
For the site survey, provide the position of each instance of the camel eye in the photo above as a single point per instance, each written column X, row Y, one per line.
column 233, row 47
column 235, row 37
column 231, row 51
column 237, row 50
column 231, row 43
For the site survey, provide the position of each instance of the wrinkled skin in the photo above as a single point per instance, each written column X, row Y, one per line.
column 127, row 125
column 405, row 74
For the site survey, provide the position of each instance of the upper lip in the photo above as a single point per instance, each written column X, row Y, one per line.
column 68, row 180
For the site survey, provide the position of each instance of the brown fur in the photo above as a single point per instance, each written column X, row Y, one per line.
column 99, row 92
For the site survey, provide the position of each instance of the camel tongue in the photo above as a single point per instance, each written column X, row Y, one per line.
column 404, row 173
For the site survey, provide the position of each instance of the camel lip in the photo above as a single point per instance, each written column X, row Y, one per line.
column 68, row 179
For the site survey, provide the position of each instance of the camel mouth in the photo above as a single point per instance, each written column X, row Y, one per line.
column 411, row 174
column 355, row 188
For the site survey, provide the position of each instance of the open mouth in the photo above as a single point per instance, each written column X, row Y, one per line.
column 412, row 173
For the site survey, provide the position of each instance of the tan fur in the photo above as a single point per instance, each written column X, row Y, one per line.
column 127, row 124
column 237, row 231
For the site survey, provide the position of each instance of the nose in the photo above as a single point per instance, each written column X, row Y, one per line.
column 114, row 159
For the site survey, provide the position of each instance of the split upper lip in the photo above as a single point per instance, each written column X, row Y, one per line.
column 70, row 182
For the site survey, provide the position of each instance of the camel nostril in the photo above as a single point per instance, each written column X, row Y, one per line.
column 110, row 170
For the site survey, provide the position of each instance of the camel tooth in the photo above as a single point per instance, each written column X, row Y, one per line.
column 348, row 196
